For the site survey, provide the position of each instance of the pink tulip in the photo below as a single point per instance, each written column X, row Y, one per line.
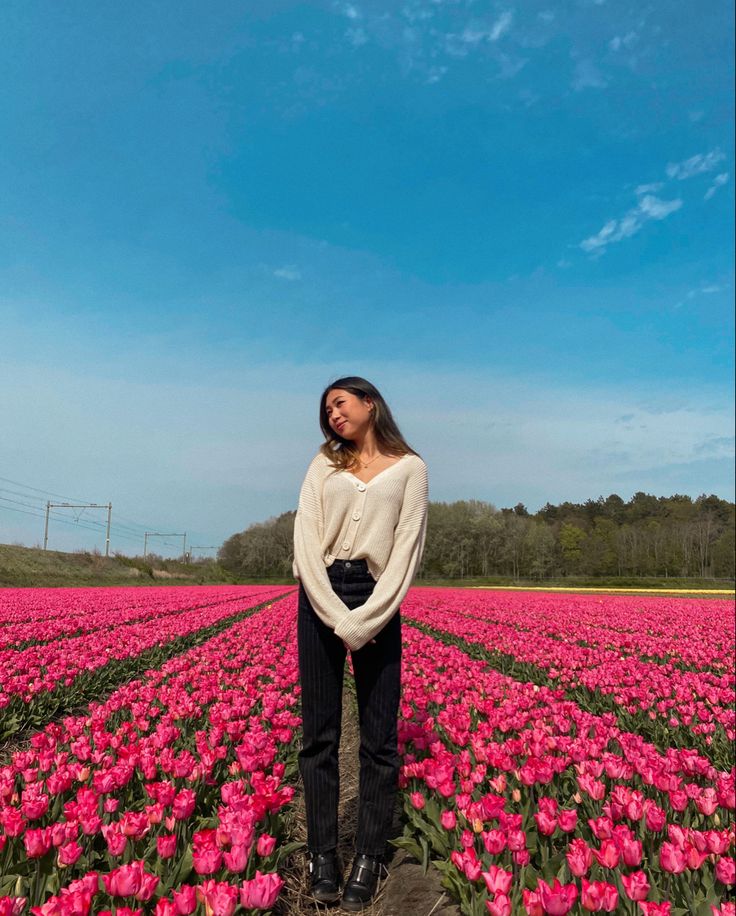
column 184, row 804
column 448, row 820
column 494, row 841
column 557, row 899
column 608, row 855
column 727, row 909
column 655, row 818
column 149, row 884
column 236, row 859
column 124, row 881
column 219, row 898
column 655, row 909
column 261, row 891
column 498, row 881
column 266, row 845
column 417, row 799
column 12, row 906
column 166, row 845
column 636, row 885
column 546, row 823
column 69, row 853
column 207, row 860
column 567, row 820
column 185, row 900
column 579, row 857
column 532, row 902
column 672, row 859
column 631, row 851
column 726, row 870
column 598, row 896
column 37, row 842
column 499, row 906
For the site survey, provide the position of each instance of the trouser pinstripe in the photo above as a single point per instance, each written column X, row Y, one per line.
column 377, row 670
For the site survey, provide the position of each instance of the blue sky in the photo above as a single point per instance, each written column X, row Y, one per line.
column 516, row 220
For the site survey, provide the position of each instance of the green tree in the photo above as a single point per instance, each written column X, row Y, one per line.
column 571, row 539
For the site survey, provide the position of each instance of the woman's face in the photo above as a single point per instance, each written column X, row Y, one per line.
column 348, row 414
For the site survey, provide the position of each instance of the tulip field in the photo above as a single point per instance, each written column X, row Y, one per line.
column 560, row 753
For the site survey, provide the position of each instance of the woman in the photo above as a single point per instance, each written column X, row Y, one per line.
column 359, row 534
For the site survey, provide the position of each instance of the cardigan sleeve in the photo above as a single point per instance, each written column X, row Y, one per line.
column 308, row 529
column 360, row 625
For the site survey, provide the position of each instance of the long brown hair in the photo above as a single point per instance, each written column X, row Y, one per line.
column 342, row 452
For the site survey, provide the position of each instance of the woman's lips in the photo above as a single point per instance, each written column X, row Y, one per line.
column 340, row 426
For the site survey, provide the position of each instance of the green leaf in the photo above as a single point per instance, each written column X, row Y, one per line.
column 425, row 854
column 410, row 845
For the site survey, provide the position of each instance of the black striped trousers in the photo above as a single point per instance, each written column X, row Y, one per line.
column 378, row 685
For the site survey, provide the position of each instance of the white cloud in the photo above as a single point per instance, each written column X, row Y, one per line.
column 705, row 289
column 654, row 208
column 435, row 74
column 588, row 76
column 356, row 37
column 288, row 272
column 648, row 208
column 352, row 12
column 501, row 25
column 474, row 33
column 649, row 188
column 695, row 165
column 717, row 182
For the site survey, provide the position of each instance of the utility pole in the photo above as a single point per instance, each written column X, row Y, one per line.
column 198, row 547
column 107, row 506
column 158, row 534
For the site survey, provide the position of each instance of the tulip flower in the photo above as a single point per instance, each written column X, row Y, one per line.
column 672, row 859
column 532, row 902
column 655, row 909
column 557, row 899
column 448, row 820
column 185, row 899
column 598, row 896
column 636, row 885
column 166, row 845
column 726, row 870
column 499, row 906
column 497, row 880
column 262, row 891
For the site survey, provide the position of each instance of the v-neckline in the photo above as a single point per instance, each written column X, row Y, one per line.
column 367, row 483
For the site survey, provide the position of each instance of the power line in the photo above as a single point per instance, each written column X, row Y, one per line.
column 133, row 531
column 60, row 518
column 36, row 489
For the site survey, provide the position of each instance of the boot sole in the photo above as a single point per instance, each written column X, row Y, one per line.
column 356, row 907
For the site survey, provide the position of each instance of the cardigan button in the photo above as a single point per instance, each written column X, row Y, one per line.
column 346, row 545
column 361, row 487
column 356, row 516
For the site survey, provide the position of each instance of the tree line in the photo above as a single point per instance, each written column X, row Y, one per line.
column 663, row 536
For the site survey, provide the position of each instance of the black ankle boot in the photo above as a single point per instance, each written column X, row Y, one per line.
column 363, row 881
column 324, row 877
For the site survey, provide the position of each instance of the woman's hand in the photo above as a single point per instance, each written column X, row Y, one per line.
column 348, row 647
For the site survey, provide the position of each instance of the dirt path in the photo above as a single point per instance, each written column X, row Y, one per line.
column 406, row 891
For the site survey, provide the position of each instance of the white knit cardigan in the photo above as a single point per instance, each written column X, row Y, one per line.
column 383, row 520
